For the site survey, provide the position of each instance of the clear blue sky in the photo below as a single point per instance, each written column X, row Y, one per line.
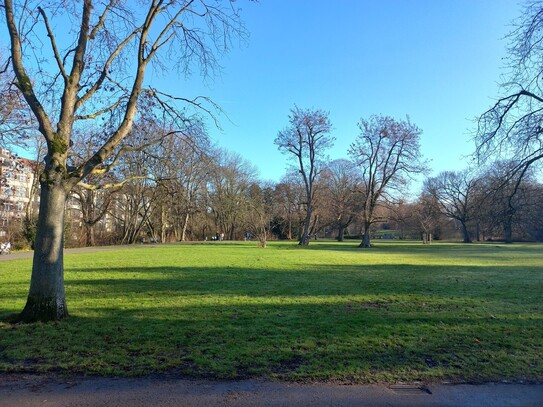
column 438, row 61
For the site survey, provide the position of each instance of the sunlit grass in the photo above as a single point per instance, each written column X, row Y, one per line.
column 397, row 312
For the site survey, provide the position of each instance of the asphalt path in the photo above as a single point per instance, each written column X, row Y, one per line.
column 30, row 254
column 36, row 390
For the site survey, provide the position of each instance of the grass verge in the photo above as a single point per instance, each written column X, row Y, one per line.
column 396, row 312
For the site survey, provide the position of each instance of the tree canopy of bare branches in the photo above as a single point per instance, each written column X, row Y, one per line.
column 305, row 140
column 387, row 152
column 512, row 127
column 456, row 193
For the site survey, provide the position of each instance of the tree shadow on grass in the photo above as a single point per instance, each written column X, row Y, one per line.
column 362, row 342
column 344, row 322
column 472, row 282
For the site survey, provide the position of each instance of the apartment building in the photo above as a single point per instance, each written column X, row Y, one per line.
column 16, row 179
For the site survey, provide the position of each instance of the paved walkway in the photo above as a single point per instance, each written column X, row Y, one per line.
column 25, row 391
column 30, row 254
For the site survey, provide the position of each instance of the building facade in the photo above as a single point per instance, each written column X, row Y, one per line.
column 16, row 191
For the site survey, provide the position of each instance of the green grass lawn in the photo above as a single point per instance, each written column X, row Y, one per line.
column 397, row 312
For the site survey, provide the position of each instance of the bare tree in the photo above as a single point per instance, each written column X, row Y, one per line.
column 341, row 194
column 229, row 182
column 306, row 139
column 98, row 73
column 427, row 214
column 456, row 193
column 288, row 196
column 533, row 217
column 512, row 128
column 388, row 154
column 260, row 211
column 505, row 194
column 188, row 164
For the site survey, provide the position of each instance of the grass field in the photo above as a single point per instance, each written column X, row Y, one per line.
column 397, row 312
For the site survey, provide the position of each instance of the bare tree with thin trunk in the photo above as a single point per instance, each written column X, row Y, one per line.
column 100, row 53
column 259, row 212
column 427, row 214
column 229, row 181
column 306, row 140
column 388, row 154
column 288, row 195
column 340, row 195
column 456, row 193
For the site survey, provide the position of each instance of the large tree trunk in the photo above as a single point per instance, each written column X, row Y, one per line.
column 304, row 238
column 508, row 229
column 366, row 242
column 163, row 224
column 465, row 231
column 289, row 233
column 341, row 233
column 47, row 298
column 184, row 230
column 89, row 234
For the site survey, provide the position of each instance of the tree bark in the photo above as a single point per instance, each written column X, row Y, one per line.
column 289, row 235
column 366, row 241
column 163, row 224
column 47, row 298
column 89, row 234
column 341, row 233
column 508, row 229
column 304, row 239
column 184, row 230
column 465, row 231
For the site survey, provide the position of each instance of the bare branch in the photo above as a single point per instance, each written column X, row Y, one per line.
column 51, row 36
column 197, row 102
column 99, row 112
column 104, row 73
column 114, row 186
column 23, row 81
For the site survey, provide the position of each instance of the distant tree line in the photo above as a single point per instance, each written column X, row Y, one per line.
column 187, row 189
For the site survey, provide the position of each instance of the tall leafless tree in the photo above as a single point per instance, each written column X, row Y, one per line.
column 306, row 140
column 229, row 181
column 456, row 193
column 258, row 218
column 388, row 154
column 100, row 53
column 427, row 214
column 288, row 196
